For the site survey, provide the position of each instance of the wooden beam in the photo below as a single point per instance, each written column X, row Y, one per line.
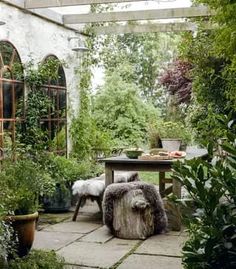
column 155, row 14
column 33, row 4
column 149, row 28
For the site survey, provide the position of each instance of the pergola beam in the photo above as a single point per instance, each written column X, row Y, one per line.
column 149, row 28
column 155, row 14
column 33, row 4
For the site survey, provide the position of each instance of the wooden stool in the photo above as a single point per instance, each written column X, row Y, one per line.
column 93, row 189
column 133, row 210
column 82, row 200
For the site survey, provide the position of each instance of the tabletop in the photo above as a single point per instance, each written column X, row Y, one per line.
column 191, row 153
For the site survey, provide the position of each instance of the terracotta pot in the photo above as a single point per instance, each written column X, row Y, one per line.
column 24, row 228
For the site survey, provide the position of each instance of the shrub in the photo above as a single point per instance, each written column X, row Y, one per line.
column 38, row 259
column 23, row 182
column 169, row 129
column 212, row 186
column 7, row 244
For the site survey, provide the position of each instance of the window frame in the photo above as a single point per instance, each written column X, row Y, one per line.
column 50, row 88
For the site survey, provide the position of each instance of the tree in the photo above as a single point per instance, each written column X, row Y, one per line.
column 148, row 53
column 119, row 109
column 177, row 81
column 214, row 71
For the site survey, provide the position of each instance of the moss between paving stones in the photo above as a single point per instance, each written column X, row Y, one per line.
column 46, row 219
column 126, row 255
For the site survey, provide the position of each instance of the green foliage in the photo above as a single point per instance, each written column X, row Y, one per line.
column 169, row 129
column 65, row 170
column 85, row 134
column 29, row 132
column 212, row 186
column 38, row 259
column 205, row 125
column 7, row 245
column 211, row 87
column 150, row 53
column 36, row 76
column 36, row 105
column 120, row 111
column 212, row 54
column 61, row 169
column 23, row 182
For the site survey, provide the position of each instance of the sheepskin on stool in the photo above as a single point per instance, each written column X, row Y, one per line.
column 93, row 188
column 133, row 210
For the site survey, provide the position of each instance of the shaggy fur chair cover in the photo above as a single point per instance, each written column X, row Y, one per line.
column 93, row 189
column 96, row 186
column 116, row 191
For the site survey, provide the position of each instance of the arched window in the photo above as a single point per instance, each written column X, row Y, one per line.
column 56, row 122
column 11, row 90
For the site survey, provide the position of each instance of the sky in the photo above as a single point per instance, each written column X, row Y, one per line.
column 155, row 4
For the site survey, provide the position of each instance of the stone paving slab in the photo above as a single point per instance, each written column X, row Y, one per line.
column 73, row 227
column 46, row 219
column 100, row 235
column 93, row 218
column 150, row 262
column 169, row 245
column 89, row 207
column 54, row 240
column 97, row 255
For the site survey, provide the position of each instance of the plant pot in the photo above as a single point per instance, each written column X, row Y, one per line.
column 171, row 144
column 24, row 228
column 59, row 202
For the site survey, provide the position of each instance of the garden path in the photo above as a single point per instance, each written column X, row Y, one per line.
column 87, row 244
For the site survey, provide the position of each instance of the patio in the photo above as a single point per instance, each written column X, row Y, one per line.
column 86, row 243
column 84, row 83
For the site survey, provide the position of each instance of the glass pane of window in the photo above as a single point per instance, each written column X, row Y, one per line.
column 7, row 100
column 19, row 100
column 61, row 77
column 56, row 123
column 7, row 74
column 11, row 91
column 6, row 51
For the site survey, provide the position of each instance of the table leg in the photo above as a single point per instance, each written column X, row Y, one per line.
column 177, row 188
column 109, row 175
column 162, row 183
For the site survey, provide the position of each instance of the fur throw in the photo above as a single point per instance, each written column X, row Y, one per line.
column 95, row 186
column 116, row 191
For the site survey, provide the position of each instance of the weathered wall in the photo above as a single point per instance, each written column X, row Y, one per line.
column 35, row 38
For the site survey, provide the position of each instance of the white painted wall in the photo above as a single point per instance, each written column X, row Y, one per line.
column 35, row 38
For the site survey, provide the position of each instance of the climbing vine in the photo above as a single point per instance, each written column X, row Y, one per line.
column 34, row 106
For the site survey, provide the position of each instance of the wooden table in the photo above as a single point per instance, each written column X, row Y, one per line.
column 122, row 163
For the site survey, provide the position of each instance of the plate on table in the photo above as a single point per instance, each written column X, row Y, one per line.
column 177, row 154
column 155, row 157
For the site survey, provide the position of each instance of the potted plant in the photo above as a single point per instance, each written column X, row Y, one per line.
column 64, row 171
column 172, row 134
column 24, row 181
